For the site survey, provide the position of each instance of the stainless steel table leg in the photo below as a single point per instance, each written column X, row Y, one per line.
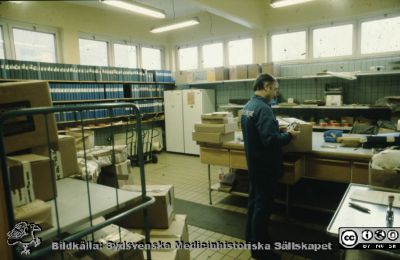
column 209, row 183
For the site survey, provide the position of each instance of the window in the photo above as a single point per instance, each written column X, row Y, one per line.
column 213, row 55
column 2, row 55
column 151, row 58
column 188, row 59
column 283, row 47
column 240, row 52
column 34, row 46
column 333, row 41
column 125, row 56
column 380, row 35
column 93, row 52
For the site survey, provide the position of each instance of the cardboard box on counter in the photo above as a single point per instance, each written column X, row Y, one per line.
column 221, row 73
column 37, row 212
column 238, row 72
column 30, row 178
column 271, row 69
column 216, row 128
column 253, row 70
column 160, row 214
column 25, row 132
column 182, row 77
column 214, row 138
column 388, row 180
column 303, row 141
column 217, row 118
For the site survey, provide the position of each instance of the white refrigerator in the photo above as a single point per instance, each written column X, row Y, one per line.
column 183, row 108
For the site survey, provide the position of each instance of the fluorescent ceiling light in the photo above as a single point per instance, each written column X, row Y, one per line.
column 175, row 26
column 135, row 7
column 282, row 3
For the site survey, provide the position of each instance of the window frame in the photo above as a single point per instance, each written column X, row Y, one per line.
column 159, row 47
column 285, row 31
column 97, row 38
column 243, row 37
column 33, row 28
column 122, row 42
column 333, row 24
column 359, row 33
column 184, row 46
column 200, row 49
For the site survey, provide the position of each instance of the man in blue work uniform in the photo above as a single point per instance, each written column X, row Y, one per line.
column 262, row 142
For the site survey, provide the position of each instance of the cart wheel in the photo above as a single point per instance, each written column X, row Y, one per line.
column 154, row 159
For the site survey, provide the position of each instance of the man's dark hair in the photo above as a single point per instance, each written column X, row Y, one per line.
column 260, row 81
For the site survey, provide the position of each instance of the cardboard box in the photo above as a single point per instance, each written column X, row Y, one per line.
column 121, row 170
column 88, row 139
column 211, row 75
column 216, row 128
column 238, row 72
column 31, row 178
column 177, row 231
column 182, row 77
column 160, row 214
column 68, row 161
column 200, row 75
column 26, row 132
column 214, row 138
column 221, row 73
column 253, row 70
column 303, row 142
column 113, row 233
column 164, row 255
column 270, row 68
column 388, row 180
column 37, row 212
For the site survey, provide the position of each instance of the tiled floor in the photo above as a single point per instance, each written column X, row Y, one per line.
column 190, row 181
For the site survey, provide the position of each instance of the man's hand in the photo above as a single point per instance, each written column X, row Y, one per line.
column 294, row 134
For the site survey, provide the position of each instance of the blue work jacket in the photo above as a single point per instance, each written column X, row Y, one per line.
column 262, row 139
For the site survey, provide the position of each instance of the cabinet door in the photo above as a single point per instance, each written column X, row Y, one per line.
column 328, row 169
column 359, row 172
column 174, row 121
column 192, row 110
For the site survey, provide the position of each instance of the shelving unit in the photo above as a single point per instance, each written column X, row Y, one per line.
column 357, row 73
column 104, row 100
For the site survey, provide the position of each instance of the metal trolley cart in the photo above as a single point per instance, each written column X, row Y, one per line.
column 148, row 137
column 77, row 202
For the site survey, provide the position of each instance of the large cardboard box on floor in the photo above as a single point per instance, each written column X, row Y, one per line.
column 25, row 132
column 177, row 232
column 303, row 141
column 213, row 138
column 37, row 212
column 114, row 234
column 164, row 255
column 30, row 178
column 160, row 214
column 216, row 128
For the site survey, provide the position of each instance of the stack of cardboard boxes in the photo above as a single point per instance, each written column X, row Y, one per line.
column 215, row 128
column 27, row 142
column 250, row 71
column 166, row 226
